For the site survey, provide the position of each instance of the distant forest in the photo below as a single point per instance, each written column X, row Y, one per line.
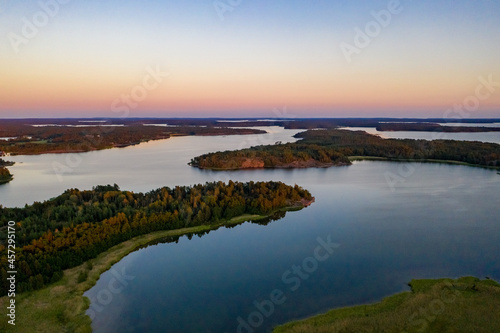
column 78, row 225
column 431, row 127
column 40, row 136
column 334, row 147
column 29, row 137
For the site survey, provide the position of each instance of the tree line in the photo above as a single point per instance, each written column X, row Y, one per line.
column 78, row 225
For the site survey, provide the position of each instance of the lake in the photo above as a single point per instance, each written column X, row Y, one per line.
column 440, row 222
column 373, row 228
column 139, row 168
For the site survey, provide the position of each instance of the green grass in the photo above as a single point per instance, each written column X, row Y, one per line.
column 463, row 305
column 244, row 218
column 374, row 158
column 61, row 307
column 38, row 142
column 367, row 158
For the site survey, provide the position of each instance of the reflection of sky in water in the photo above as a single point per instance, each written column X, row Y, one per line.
column 140, row 168
column 440, row 221
column 471, row 124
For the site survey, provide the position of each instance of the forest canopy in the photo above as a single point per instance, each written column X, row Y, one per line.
column 78, row 225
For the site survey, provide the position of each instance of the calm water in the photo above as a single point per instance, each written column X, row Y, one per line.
column 150, row 165
column 392, row 222
column 471, row 124
column 443, row 221
column 138, row 168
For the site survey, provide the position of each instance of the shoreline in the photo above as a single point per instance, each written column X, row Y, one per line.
column 385, row 159
column 432, row 305
column 61, row 306
column 81, row 151
column 352, row 159
column 309, row 164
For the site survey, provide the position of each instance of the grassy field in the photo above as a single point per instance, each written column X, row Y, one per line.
column 463, row 305
column 61, row 306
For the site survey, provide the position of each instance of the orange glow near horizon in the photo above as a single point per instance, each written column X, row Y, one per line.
column 72, row 68
column 90, row 91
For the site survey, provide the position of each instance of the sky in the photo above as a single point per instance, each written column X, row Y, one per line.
column 250, row 58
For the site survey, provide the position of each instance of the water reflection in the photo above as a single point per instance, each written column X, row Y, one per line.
column 440, row 222
column 175, row 239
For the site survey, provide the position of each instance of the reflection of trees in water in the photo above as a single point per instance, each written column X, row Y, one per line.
column 175, row 239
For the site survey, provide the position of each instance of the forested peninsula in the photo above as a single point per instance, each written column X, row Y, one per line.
column 334, row 147
column 76, row 226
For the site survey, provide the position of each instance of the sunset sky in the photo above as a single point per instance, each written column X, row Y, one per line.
column 74, row 58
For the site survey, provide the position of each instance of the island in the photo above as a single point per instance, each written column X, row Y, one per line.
column 336, row 147
column 466, row 304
